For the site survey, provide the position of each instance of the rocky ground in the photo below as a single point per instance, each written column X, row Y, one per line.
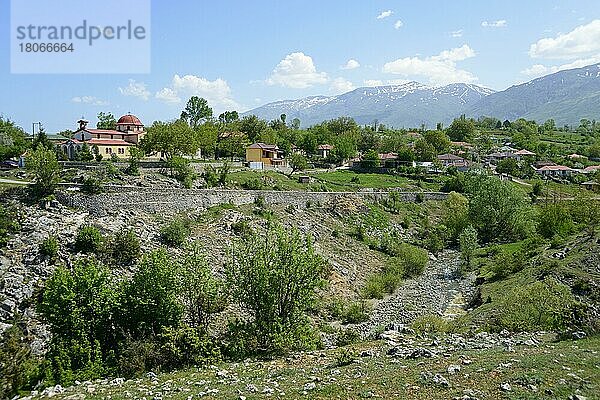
column 483, row 366
column 438, row 291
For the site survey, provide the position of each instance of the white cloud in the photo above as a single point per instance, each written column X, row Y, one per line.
column 373, row 82
column 168, row 95
column 351, row 64
column 538, row 70
column 501, row 23
column 456, row 34
column 217, row 92
column 440, row 69
column 296, row 71
column 341, row 85
column 397, row 81
column 399, row 24
column 583, row 41
column 385, row 14
column 135, row 89
column 90, row 100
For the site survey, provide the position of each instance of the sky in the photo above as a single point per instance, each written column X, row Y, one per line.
column 242, row 54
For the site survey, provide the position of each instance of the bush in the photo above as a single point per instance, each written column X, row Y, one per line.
column 253, row 184
column 45, row 168
column 554, row 219
column 182, row 170
column 19, row 369
column 242, row 228
column 125, row 246
column 88, row 239
column 175, row 233
column 274, row 278
column 542, row 305
column 430, row 324
column 185, row 347
column 356, row 312
column 78, row 305
column 414, row 259
column 91, row 186
column 49, row 248
column 9, row 223
column 344, row 357
column 347, row 336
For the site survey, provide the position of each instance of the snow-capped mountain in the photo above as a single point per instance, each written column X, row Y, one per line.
column 409, row 104
column 566, row 96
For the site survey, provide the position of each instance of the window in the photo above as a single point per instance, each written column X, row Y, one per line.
column 108, row 150
column 121, row 150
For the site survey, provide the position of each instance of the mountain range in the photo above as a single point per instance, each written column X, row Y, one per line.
column 566, row 96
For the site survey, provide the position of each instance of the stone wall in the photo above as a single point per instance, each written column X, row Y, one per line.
column 169, row 201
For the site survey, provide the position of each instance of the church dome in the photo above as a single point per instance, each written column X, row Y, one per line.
column 129, row 119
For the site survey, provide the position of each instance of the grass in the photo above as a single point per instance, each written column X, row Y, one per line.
column 343, row 181
column 557, row 370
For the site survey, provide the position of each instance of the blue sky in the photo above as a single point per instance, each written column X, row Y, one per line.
column 242, row 54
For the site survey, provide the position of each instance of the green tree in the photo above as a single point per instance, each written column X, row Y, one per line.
column 78, row 306
column 461, row 129
column 424, row 150
column 196, row 111
column 171, row 139
column 203, row 295
column 298, row 163
column 370, row 159
column 508, row 166
column 12, row 139
column 468, row 243
column 41, row 140
column 456, row 215
column 150, row 300
column 497, row 209
column 438, row 139
column 44, row 166
column 106, row 121
column 274, row 278
column 228, row 117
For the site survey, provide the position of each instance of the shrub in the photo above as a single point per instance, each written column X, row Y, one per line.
column 253, row 184
column 542, row 305
column 9, row 223
column 182, row 171
column 468, row 244
column 185, row 347
column 19, row 369
column 44, row 166
column 242, row 228
column 356, row 312
column 202, row 294
column 49, row 248
column 374, row 287
column 344, row 357
column 78, row 306
column 414, row 259
column 91, row 186
column 347, row 336
column 125, row 246
column 175, row 232
column 150, row 299
column 430, row 324
column 554, row 219
column 274, row 278
column 88, row 239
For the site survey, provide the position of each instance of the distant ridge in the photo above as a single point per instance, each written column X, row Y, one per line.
column 566, row 96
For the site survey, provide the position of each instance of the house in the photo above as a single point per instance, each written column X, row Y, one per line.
column 451, row 160
column 576, row 156
column 267, row 154
column 129, row 131
column 591, row 185
column 519, row 155
column 323, row 150
column 558, row 171
column 591, row 169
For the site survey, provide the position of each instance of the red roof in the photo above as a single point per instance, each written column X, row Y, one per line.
column 129, row 119
column 592, row 168
column 555, row 168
